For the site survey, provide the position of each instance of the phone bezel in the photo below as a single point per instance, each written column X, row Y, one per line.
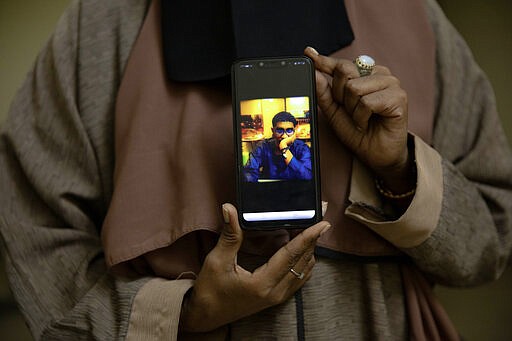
column 277, row 224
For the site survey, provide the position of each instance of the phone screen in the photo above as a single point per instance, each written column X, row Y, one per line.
column 275, row 117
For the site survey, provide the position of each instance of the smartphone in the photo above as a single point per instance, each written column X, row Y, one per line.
column 276, row 143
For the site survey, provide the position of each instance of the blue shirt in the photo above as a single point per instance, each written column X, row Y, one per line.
column 263, row 162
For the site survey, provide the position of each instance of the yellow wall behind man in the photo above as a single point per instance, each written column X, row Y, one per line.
column 480, row 314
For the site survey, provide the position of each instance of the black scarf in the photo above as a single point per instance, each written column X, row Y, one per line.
column 202, row 38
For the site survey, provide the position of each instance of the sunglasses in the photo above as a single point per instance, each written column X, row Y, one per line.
column 281, row 131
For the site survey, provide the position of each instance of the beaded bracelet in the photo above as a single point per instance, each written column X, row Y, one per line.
column 388, row 194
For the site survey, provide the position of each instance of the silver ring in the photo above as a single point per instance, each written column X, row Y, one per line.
column 365, row 65
column 296, row 274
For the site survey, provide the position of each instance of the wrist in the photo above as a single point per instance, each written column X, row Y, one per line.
column 183, row 323
column 197, row 317
column 385, row 192
column 398, row 181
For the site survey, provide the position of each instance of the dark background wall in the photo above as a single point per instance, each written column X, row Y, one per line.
column 483, row 313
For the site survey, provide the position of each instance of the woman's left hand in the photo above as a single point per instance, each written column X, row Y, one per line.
column 368, row 114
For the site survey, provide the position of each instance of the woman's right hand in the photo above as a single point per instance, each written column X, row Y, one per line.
column 225, row 292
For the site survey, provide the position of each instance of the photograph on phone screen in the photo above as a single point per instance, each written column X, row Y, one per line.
column 276, row 140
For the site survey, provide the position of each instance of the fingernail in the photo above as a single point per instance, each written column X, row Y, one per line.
column 325, row 204
column 225, row 214
column 313, row 50
column 325, row 229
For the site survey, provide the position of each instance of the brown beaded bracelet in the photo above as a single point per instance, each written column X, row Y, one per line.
column 388, row 194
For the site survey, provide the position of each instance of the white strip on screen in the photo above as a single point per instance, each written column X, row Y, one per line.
column 284, row 215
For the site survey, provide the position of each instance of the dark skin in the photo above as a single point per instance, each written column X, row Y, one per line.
column 369, row 116
column 225, row 292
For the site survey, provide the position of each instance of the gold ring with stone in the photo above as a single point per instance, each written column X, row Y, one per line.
column 365, row 65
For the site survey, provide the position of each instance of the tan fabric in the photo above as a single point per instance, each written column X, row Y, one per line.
column 422, row 215
column 156, row 310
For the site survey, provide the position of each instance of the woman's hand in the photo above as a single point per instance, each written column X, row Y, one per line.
column 225, row 292
column 368, row 114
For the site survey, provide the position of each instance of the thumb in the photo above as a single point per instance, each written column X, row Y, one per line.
column 231, row 236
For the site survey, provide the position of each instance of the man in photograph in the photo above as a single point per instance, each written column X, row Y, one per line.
column 281, row 157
